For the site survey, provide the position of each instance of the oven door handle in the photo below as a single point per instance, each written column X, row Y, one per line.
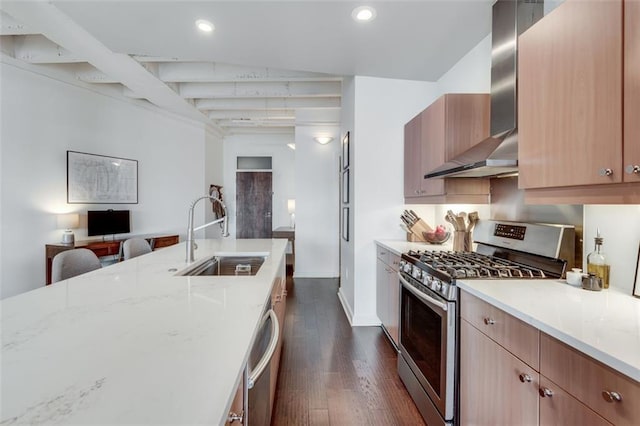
column 420, row 295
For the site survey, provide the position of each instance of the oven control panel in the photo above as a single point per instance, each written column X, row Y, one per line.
column 515, row 232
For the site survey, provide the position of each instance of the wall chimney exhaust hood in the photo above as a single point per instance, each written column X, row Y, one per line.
column 498, row 154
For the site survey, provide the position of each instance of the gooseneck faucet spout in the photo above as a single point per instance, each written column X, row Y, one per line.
column 191, row 245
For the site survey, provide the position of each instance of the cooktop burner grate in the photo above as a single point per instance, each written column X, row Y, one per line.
column 475, row 265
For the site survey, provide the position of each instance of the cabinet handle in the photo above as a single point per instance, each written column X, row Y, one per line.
column 545, row 392
column 383, row 253
column 489, row 321
column 605, row 172
column 632, row 169
column 388, row 270
column 611, row 396
column 525, row 378
column 235, row 417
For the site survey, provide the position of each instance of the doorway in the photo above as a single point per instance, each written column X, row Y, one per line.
column 254, row 200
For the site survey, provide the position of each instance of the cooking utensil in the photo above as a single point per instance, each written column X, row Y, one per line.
column 451, row 218
column 473, row 219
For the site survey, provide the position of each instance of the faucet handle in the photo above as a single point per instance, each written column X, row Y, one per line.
column 195, row 245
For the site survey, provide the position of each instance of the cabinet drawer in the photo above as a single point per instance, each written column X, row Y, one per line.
column 382, row 254
column 517, row 337
column 394, row 261
column 563, row 409
column 588, row 379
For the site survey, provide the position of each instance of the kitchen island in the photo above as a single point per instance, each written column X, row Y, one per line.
column 135, row 342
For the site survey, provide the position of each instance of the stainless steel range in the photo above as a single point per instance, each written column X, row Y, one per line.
column 428, row 361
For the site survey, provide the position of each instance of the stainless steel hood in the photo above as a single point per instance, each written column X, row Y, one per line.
column 498, row 154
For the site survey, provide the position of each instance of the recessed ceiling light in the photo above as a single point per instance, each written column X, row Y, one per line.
column 363, row 14
column 204, row 25
column 292, row 146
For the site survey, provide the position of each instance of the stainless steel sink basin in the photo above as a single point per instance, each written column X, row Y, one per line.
column 227, row 265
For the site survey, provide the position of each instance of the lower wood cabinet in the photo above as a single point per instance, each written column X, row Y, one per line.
column 591, row 382
column 513, row 374
column 388, row 292
column 496, row 387
column 559, row 408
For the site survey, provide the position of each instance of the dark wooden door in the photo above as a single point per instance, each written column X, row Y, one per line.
column 253, row 204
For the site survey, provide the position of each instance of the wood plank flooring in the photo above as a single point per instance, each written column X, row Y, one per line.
column 331, row 373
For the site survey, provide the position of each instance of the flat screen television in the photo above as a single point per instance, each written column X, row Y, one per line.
column 108, row 222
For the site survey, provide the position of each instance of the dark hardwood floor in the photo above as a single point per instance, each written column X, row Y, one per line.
column 332, row 374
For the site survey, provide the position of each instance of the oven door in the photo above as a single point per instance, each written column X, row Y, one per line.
column 427, row 343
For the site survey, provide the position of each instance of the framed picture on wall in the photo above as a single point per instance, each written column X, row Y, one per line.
column 636, row 284
column 99, row 179
column 345, row 151
column 345, row 186
column 345, row 223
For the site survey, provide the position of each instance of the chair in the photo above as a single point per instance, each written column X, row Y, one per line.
column 135, row 247
column 74, row 262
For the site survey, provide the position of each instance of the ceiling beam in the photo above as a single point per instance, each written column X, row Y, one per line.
column 9, row 26
column 266, row 103
column 59, row 28
column 37, row 49
column 261, row 90
column 255, row 123
column 203, row 72
column 252, row 114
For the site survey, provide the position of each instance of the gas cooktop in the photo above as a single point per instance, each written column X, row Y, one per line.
column 474, row 265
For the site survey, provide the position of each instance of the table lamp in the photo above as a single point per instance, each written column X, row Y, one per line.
column 68, row 222
column 291, row 207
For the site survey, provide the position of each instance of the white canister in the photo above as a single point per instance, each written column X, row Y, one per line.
column 574, row 277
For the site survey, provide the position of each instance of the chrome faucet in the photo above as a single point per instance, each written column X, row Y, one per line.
column 191, row 244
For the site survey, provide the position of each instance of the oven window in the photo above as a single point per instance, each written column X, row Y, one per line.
column 422, row 338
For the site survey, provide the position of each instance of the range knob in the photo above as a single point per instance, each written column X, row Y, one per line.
column 436, row 285
column 417, row 273
column 444, row 288
column 407, row 268
column 426, row 279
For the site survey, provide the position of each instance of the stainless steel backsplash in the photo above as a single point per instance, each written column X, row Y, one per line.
column 507, row 203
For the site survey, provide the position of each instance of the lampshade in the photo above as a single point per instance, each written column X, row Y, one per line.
column 291, row 206
column 323, row 140
column 68, row 221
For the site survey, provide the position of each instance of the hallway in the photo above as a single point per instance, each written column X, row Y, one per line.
column 332, row 374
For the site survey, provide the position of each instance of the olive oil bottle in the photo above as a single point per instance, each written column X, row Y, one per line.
column 597, row 262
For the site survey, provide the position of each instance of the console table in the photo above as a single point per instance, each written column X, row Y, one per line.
column 290, row 234
column 103, row 248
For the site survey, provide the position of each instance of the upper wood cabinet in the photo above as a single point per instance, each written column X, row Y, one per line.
column 578, row 75
column 448, row 127
column 632, row 90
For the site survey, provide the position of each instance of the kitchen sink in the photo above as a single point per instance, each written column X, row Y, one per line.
column 227, row 265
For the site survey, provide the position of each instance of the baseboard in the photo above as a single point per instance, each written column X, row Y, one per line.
column 365, row 321
column 357, row 320
column 345, row 306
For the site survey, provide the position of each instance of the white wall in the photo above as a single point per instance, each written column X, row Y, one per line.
column 317, row 192
column 346, row 292
column 382, row 107
column 283, row 163
column 472, row 73
column 620, row 227
column 42, row 118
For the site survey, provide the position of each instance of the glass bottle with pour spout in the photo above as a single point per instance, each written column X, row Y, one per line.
column 597, row 262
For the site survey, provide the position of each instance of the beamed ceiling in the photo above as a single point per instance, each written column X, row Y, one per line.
column 279, row 65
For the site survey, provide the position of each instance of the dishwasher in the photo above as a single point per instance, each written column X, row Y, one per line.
column 257, row 377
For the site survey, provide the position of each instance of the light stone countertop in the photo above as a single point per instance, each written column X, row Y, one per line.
column 132, row 343
column 603, row 324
